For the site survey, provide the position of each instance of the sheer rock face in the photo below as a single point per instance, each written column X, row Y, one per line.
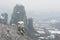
column 4, row 18
column 12, row 35
column 31, row 31
column 18, row 14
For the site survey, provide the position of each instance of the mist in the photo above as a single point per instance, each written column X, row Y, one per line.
column 39, row 8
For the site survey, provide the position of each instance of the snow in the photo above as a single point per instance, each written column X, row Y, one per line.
column 18, row 12
column 41, row 32
column 1, row 17
column 54, row 32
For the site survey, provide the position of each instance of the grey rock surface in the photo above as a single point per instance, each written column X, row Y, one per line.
column 12, row 35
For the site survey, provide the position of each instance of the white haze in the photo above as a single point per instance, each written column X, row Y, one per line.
column 42, row 8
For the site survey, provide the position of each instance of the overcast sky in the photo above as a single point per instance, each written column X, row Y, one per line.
column 36, row 6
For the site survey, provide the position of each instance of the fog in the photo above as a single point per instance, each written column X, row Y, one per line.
column 30, row 19
column 40, row 8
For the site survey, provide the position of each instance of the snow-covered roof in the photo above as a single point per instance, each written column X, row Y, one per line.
column 53, row 21
column 41, row 32
column 42, row 37
column 51, row 36
column 54, row 32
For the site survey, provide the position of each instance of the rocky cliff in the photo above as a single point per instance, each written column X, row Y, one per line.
column 12, row 35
